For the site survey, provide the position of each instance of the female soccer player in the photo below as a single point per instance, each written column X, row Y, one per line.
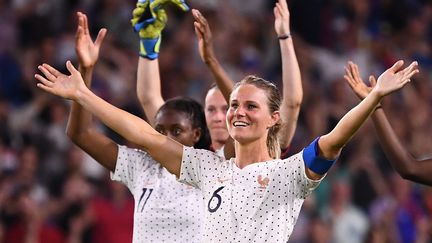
column 402, row 161
column 251, row 197
column 165, row 210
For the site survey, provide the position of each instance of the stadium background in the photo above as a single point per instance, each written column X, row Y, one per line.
column 50, row 190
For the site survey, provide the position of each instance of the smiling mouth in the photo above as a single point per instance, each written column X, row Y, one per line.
column 240, row 124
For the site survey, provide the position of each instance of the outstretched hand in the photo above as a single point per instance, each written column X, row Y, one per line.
column 59, row 84
column 87, row 50
column 354, row 80
column 394, row 78
column 204, row 35
column 282, row 18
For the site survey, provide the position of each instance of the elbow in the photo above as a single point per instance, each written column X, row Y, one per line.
column 76, row 136
column 407, row 172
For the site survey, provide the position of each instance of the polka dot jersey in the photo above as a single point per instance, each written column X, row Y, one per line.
column 165, row 209
column 259, row 203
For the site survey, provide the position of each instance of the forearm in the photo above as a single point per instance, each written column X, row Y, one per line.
column 397, row 154
column 149, row 87
column 223, row 81
column 292, row 91
column 134, row 129
column 332, row 143
column 79, row 130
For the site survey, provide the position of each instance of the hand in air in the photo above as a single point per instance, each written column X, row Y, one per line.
column 395, row 78
column 282, row 18
column 87, row 50
column 59, row 84
column 354, row 80
column 204, row 35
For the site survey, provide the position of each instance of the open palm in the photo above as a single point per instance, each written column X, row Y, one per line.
column 204, row 35
column 354, row 80
column 59, row 84
column 282, row 15
column 86, row 49
column 394, row 78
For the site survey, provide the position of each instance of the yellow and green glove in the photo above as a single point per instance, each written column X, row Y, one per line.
column 149, row 19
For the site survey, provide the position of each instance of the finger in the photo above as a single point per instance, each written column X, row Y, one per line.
column 71, row 68
column 100, row 37
column 396, row 66
column 283, row 4
column 201, row 18
column 86, row 28
column 195, row 14
column 47, row 73
column 348, row 79
column 198, row 31
column 80, row 20
column 276, row 13
column 280, row 9
column 372, row 80
column 45, row 88
column 408, row 69
column 347, row 72
column 43, row 80
column 79, row 32
column 52, row 70
column 409, row 75
column 356, row 72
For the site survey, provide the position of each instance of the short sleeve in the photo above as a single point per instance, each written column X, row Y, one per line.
column 295, row 178
column 198, row 165
column 129, row 163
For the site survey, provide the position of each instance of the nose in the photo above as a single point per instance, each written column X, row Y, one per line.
column 239, row 111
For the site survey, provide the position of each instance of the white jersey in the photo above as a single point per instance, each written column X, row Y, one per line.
column 165, row 209
column 259, row 203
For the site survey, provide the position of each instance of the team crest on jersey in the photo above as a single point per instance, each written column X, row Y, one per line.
column 263, row 181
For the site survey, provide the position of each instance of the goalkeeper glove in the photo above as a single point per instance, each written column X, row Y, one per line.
column 149, row 19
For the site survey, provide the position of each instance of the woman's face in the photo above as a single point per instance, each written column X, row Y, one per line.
column 248, row 116
column 178, row 126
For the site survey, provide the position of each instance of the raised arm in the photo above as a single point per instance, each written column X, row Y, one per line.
column 401, row 160
column 223, row 81
column 391, row 80
column 149, row 25
column 149, row 20
column 291, row 78
column 79, row 128
column 206, row 50
column 161, row 148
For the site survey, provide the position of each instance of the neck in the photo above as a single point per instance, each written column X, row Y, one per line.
column 217, row 144
column 250, row 153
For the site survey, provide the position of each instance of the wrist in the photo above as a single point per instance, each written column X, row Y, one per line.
column 379, row 106
column 284, row 36
column 149, row 48
column 211, row 61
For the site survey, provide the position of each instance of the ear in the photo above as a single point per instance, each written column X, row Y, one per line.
column 275, row 117
column 196, row 134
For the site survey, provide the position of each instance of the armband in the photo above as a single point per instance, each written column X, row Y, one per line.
column 313, row 162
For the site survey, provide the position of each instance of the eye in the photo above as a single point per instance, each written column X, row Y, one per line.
column 234, row 105
column 176, row 132
column 251, row 107
column 211, row 109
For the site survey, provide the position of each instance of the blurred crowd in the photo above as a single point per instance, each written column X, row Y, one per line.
column 50, row 191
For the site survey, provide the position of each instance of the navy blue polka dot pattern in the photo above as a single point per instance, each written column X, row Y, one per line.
column 259, row 203
column 165, row 209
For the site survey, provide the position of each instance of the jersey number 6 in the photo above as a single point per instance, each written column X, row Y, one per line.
column 218, row 198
